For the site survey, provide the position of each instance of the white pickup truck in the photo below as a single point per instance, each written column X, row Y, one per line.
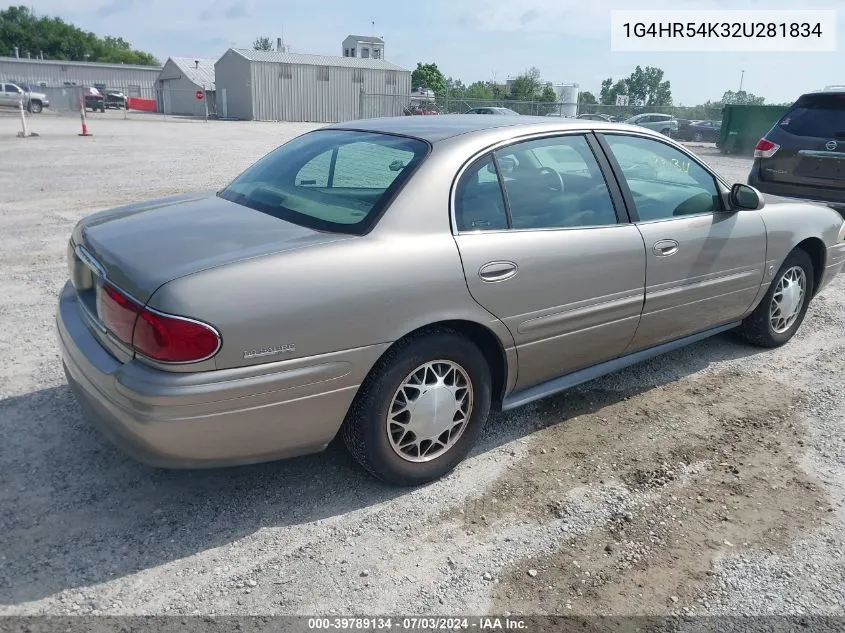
column 11, row 95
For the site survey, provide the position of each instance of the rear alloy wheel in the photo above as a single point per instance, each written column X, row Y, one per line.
column 421, row 409
column 780, row 313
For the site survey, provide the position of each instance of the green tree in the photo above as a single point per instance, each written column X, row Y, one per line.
column 609, row 90
column 480, row 90
column 587, row 98
column 526, row 87
column 742, row 97
column 646, row 86
column 55, row 39
column 428, row 76
column 262, row 44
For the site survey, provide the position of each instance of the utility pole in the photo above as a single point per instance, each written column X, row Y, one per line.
column 741, row 78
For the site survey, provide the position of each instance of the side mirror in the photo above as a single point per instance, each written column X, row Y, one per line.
column 746, row 197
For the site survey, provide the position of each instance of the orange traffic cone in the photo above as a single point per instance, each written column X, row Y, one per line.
column 82, row 117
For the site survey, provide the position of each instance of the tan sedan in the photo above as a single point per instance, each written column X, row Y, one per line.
column 393, row 280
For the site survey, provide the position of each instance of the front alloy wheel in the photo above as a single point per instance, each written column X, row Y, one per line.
column 779, row 315
column 788, row 299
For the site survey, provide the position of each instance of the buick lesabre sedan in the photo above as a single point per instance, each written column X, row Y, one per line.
column 393, row 280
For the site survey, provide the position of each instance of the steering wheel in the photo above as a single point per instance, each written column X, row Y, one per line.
column 557, row 180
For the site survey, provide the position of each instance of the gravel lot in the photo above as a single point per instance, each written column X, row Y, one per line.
column 708, row 481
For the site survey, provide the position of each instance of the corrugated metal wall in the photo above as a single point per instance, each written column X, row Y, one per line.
column 180, row 94
column 57, row 74
column 231, row 77
column 324, row 94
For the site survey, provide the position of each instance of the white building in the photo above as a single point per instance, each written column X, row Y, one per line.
column 364, row 47
column 180, row 80
column 276, row 86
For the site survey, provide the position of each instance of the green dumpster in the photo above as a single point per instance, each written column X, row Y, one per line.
column 744, row 125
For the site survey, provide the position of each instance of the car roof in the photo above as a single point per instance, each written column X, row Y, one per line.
column 445, row 126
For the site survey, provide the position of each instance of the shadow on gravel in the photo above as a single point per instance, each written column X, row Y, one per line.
column 77, row 512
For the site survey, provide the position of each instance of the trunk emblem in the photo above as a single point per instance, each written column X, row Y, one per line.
column 831, row 145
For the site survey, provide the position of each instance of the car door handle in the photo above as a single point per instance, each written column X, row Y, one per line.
column 665, row 248
column 497, row 271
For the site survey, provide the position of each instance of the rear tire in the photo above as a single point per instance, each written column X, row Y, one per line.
column 776, row 319
column 454, row 389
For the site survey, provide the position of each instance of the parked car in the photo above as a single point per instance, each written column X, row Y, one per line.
column 12, row 94
column 114, row 99
column 432, row 270
column 594, row 116
column 93, row 99
column 666, row 124
column 703, row 131
column 803, row 155
column 500, row 111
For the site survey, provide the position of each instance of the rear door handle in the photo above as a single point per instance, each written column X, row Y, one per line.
column 665, row 248
column 497, row 271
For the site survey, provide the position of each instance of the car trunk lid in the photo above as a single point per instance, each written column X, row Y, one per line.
column 138, row 248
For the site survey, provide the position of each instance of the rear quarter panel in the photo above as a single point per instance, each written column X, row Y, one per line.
column 360, row 292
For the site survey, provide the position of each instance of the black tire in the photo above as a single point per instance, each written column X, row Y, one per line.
column 757, row 327
column 34, row 107
column 698, row 138
column 365, row 428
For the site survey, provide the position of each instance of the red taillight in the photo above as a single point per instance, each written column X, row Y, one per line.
column 173, row 339
column 158, row 336
column 118, row 313
column 765, row 148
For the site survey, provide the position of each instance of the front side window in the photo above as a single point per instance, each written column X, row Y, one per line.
column 555, row 183
column 337, row 181
column 664, row 182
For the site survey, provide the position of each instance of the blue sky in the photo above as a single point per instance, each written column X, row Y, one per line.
column 568, row 40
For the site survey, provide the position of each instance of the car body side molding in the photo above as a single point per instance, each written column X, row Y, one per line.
column 567, row 381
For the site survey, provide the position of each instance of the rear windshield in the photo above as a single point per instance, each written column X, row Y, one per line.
column 329, row 180
column 817, row 115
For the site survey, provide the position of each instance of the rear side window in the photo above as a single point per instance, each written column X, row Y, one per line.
column 816, row 115
column 329, row 180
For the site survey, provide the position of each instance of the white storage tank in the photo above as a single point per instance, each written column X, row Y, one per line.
column 569, row 99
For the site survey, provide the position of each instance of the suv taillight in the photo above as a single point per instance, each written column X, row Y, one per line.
column 161, row 337
column 765, row 148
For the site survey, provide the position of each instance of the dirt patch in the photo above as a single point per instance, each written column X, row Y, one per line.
column 648, row 490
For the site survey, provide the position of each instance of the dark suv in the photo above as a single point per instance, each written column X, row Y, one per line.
column 803, row 155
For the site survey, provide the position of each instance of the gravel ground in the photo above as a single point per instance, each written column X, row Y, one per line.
column 708, row 481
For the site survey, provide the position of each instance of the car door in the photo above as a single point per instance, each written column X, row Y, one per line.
column 547, row 249
column 705, row 263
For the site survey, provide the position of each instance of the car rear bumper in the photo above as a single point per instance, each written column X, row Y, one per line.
column 212, row 418
column 788, row 190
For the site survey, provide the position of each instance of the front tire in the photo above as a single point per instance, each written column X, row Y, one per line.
column 34, row 107
column 781, row 312
column 421, row 409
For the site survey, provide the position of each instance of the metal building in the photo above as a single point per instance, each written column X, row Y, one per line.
column 279, row 86
column 180, row 80
column 134, row 81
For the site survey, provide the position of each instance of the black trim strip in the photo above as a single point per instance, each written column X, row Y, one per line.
column 504, row 191
column 576, row 378
column 622, row 214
